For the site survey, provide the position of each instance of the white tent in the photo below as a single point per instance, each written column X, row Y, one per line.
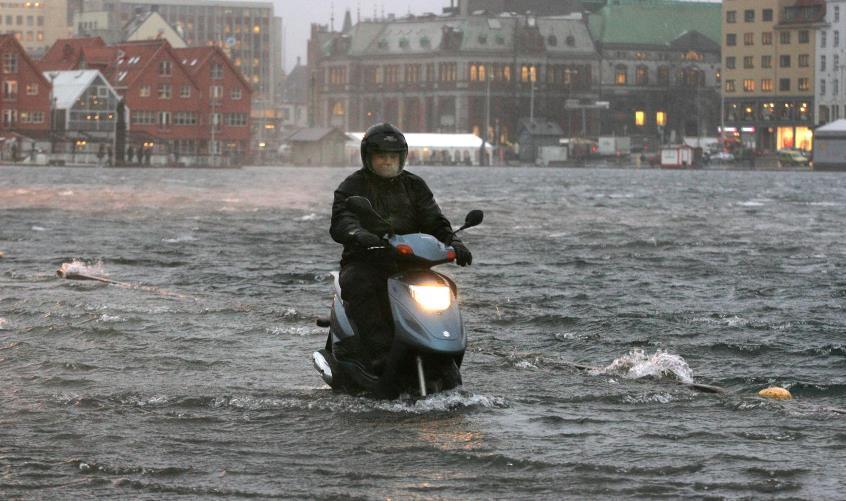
column 430, row 149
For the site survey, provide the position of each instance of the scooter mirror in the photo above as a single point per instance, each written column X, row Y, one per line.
column 474, row 218
column 360, row 205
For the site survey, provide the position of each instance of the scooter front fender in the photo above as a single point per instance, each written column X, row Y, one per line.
column 427, row 331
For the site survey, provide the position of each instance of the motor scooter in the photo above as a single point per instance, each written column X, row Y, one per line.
column 429, row 339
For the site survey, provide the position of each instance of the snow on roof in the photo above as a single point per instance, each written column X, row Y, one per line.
column 835, row 126
column 421, row 140
column 69, row 85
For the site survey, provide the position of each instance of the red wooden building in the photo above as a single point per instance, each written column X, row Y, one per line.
column 24, row 92
column 174, row 95
column 227, row 96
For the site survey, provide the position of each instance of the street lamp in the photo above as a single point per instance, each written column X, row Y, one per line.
column 483, row 160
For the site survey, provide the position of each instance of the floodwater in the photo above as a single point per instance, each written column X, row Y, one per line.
column 191, row 376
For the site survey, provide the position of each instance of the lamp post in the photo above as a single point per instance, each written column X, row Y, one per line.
column 483, row 160
column 53, row 76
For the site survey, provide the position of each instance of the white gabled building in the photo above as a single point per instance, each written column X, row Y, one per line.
column 84, row 102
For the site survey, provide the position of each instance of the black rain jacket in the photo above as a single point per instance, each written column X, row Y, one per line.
column 405, row 201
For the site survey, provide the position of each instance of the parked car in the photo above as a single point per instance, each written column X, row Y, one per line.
column 722, row 156
column 792, row 158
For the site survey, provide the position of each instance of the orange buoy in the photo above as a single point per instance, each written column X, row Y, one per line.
column 775, row 393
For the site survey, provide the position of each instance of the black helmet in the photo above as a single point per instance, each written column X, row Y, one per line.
column 384, row 138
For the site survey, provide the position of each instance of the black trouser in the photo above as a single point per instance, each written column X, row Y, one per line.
column 364, row 288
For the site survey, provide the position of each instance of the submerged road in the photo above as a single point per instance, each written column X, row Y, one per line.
column 732, row 279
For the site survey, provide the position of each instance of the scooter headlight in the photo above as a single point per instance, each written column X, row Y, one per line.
column 432, row 297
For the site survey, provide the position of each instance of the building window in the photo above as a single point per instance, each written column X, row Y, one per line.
column 185, row 91
column 392, row 73
column 835, row 87
column 767, row 38
column 660, row 118
column 731, row 39
column 642, row 75
column 216, row 91
column 10, row 89
column 836, row 13
column 730, row 62
column 784, row 61
column 784, row 38
column 784, row 84
column 804, row 36
column 747, row 62
column 184, row 118
column 822, row 62
column 731, row 16
column 640, row 118
column 804, row 84
column 240, row 119
column 447, row 72
column 822, row 39
column 164, row 118
column 165, row 91
column 413, row 72
column 144, row 91
column 749, row 16
column 767, row 15
column 766, row 85
column 836, row 62
column 217, row 71
column 663, row 75
column 528, row 73
column 165, row 68
column 766, row 61
column 822, row 87
column 32, row 89
column 749, row 85
column 729, row 85
column 836, row 40
column 10, row 117
column 804, row 60
column 10, row 62
column 235, row 94
column 620, row 75
column 748, row 39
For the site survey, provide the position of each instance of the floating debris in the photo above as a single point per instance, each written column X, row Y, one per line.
column 77, row 270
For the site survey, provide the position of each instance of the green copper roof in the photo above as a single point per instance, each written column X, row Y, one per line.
column 655, row 22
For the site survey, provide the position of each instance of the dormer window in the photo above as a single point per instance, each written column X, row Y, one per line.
column 552, row 41
column 571, row 41
column 217, row 71
column 165, row 68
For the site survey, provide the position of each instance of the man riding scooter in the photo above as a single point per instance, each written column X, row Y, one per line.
column 406, row 202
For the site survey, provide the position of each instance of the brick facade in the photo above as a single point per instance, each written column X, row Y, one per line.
column 171, row 94
column 24, row 92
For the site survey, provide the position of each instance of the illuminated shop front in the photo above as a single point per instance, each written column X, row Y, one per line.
column 795, row 137
column 771, row 125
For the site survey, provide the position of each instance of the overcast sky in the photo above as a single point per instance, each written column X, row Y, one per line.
column 297, row 16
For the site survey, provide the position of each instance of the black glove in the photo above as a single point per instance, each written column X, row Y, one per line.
column 367, row 240
column 462, row 254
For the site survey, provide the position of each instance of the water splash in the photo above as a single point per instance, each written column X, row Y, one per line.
column 78, row 267
column 637, row 364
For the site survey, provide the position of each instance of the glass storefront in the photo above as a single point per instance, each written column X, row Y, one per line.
column 794, row 137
